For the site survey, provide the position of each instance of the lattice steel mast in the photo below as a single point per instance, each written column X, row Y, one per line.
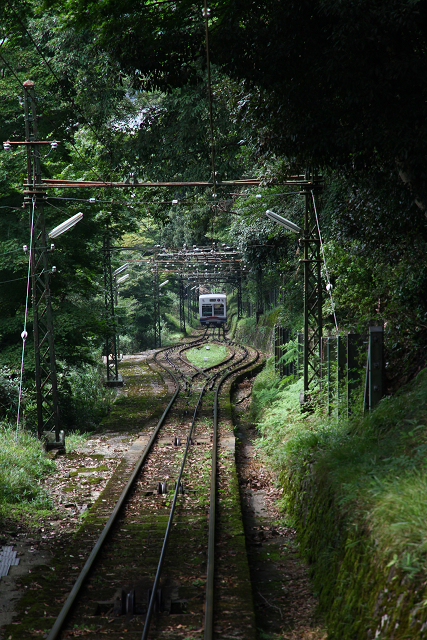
column 313, row 296
column 44, row 349
column 110, row 319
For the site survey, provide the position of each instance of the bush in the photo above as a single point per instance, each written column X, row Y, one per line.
column 9, row 392
column 84, row 399
column 23, row 465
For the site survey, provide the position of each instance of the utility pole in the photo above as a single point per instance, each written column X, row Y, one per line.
column 313, row 296
column 48, row 424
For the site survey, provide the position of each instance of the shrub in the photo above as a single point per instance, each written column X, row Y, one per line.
column 23, row 465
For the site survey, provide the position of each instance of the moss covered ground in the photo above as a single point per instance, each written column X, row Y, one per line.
column 207, row 355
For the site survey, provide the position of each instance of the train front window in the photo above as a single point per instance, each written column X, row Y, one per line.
column 206, row 310
column 218, row 309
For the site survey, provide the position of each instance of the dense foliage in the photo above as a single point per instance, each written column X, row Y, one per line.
column 123, row 87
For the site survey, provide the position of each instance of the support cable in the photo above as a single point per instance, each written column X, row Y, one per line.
column 65, row 92
column 11, row 70
column 24, row 334
column 329, row 285
column 23, row 278
column 5, row 253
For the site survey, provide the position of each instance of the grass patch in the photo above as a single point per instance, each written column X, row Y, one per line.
column 375, row 464
column 215, row 354
column 23, row 466
column 265, row 388
column 75, row 440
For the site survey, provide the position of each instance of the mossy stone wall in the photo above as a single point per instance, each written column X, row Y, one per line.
column 360, row 595
column 261, row 335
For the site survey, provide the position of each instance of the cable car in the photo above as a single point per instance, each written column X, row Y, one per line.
column 213, row 309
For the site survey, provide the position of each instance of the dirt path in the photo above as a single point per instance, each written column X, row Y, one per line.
column 285, row 606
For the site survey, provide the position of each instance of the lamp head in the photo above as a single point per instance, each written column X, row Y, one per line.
column 290, row 226
column 120, row 269
column 64, row 226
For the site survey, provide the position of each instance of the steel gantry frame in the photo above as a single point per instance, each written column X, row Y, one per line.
column 195, row 267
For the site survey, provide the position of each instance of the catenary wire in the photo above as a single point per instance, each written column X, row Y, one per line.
column 17, row 279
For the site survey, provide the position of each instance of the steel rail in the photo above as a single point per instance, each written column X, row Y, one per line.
column 171, row 514
column 173, row 506
column 190, row 364
column 123, row 496
column 210, row 572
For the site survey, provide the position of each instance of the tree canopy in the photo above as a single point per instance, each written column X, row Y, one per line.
column 338, row 84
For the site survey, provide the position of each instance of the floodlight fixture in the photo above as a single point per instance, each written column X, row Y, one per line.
column 123, row 278
column 290, row 226
column 121, row 269
column 64, row 226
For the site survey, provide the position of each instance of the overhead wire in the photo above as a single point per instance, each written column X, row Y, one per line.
column 73, row 106
column 11, row 70
column 47, row 117
column 18, row 279
column 5, row 253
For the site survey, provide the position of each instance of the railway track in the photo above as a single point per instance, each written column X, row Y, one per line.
column 154, row 570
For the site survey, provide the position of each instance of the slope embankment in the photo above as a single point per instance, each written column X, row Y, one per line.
column 355, row 491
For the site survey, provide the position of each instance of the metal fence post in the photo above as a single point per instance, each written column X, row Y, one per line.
column 276, row 349
column 376, row 384
column 331, row 351
column 353, row 375
column 300, row 353
column 341, row 369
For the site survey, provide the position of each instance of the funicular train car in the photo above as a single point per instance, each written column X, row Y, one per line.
column 212, row 309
